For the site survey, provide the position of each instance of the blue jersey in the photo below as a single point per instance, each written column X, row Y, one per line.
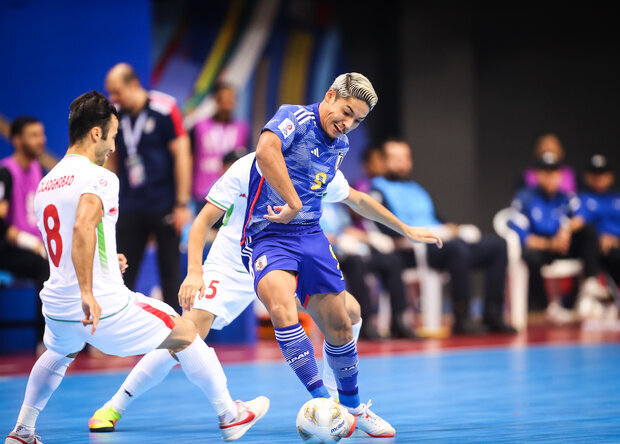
column 540, row 214
column 602, row 210
column 312, row 160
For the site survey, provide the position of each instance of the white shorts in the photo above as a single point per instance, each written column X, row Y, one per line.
column 137, row 329
column 228, row 293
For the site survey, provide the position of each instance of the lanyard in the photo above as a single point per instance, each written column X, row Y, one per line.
column 132, row 136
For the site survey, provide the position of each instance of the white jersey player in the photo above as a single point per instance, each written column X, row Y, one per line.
column 85, row 300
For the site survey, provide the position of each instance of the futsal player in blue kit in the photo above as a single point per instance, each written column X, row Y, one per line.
column 284, row 249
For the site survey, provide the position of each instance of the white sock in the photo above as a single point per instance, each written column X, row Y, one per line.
column 329, row 380
column 203, row 368
column 148, row 372
column 45, row 377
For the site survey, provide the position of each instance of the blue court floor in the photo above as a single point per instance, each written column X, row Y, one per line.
column 556, row 394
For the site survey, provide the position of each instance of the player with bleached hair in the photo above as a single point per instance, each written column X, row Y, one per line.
column 298, row 155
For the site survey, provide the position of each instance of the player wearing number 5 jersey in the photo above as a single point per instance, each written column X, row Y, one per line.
column 85, row 301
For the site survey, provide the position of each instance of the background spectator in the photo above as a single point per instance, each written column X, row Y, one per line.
column 21, row 247
column 153, row 162
column 213, row 138
column 601, row 207
column 550, row 226
column 550, row 143
column 463, row 251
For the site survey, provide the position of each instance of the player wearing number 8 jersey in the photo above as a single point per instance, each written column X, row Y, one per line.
column 77, row 206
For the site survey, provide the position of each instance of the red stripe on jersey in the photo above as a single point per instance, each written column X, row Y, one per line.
column 260, row 186
column 177, row 120
column 156, row 312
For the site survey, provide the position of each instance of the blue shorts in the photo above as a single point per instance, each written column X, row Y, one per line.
column 306, row 252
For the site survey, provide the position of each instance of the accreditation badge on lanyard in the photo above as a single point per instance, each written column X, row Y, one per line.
column 134, row 164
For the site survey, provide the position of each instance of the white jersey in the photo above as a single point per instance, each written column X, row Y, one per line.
column 55, row 205
column 229, row 194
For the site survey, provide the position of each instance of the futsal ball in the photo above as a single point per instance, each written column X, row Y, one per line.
column 323, row 420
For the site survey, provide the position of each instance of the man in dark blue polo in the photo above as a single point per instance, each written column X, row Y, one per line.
column 154, row 166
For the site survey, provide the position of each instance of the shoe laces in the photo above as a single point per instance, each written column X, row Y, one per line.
column 366, row 410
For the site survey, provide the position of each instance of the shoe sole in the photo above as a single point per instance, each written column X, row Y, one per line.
column 242, row 431
column 102, row 429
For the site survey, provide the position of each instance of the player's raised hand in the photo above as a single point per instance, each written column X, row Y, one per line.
column 424, row 235
column 281, row 214
column 122, row 262
column 92, row 311
column 192, row 284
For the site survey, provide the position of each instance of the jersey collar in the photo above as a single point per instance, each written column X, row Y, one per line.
column 326, row 139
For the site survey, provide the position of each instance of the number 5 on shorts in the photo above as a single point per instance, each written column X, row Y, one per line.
column 211, row 290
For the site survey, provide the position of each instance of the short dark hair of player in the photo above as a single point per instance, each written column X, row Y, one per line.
column 21, row 122
column 89, row 110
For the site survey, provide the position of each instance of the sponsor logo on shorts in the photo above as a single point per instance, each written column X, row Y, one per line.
column 297, row 358
column 286, row 127
column 260, row 263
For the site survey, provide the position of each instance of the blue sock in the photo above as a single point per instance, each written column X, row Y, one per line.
column 299, row 354
column 344, row 362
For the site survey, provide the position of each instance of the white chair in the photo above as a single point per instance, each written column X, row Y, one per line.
column 431, row 293
column 518, row 274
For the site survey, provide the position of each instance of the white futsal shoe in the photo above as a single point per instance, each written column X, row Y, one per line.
column 16, row 438
column 373, row 424
column 249, row 412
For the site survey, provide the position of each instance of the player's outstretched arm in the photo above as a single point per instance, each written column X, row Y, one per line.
column 88, row 216
column 366, row 206
column 271, row 163
column 193, row 282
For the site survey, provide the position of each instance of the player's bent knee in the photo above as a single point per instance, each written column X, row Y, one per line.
column 201, row 319
column 354, row 310
column 181, row 336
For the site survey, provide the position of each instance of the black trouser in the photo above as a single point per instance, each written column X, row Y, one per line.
column 133, row 230
column 611, row 264
column 26, row 264
column 583, row 245
column 459, row 258
column 388, row 268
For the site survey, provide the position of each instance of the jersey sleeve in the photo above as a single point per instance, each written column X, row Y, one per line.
column 338, row 189
column 284, row 125
column 228, row 187
column 104, row 185
column 171, row 117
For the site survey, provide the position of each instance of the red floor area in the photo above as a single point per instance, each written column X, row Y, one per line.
column 267, row 350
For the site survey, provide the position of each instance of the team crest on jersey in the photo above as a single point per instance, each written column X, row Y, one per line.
column 103, row 182
column 260, row 263
column 339, row 160
column 286, row 127
column 149, row 125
